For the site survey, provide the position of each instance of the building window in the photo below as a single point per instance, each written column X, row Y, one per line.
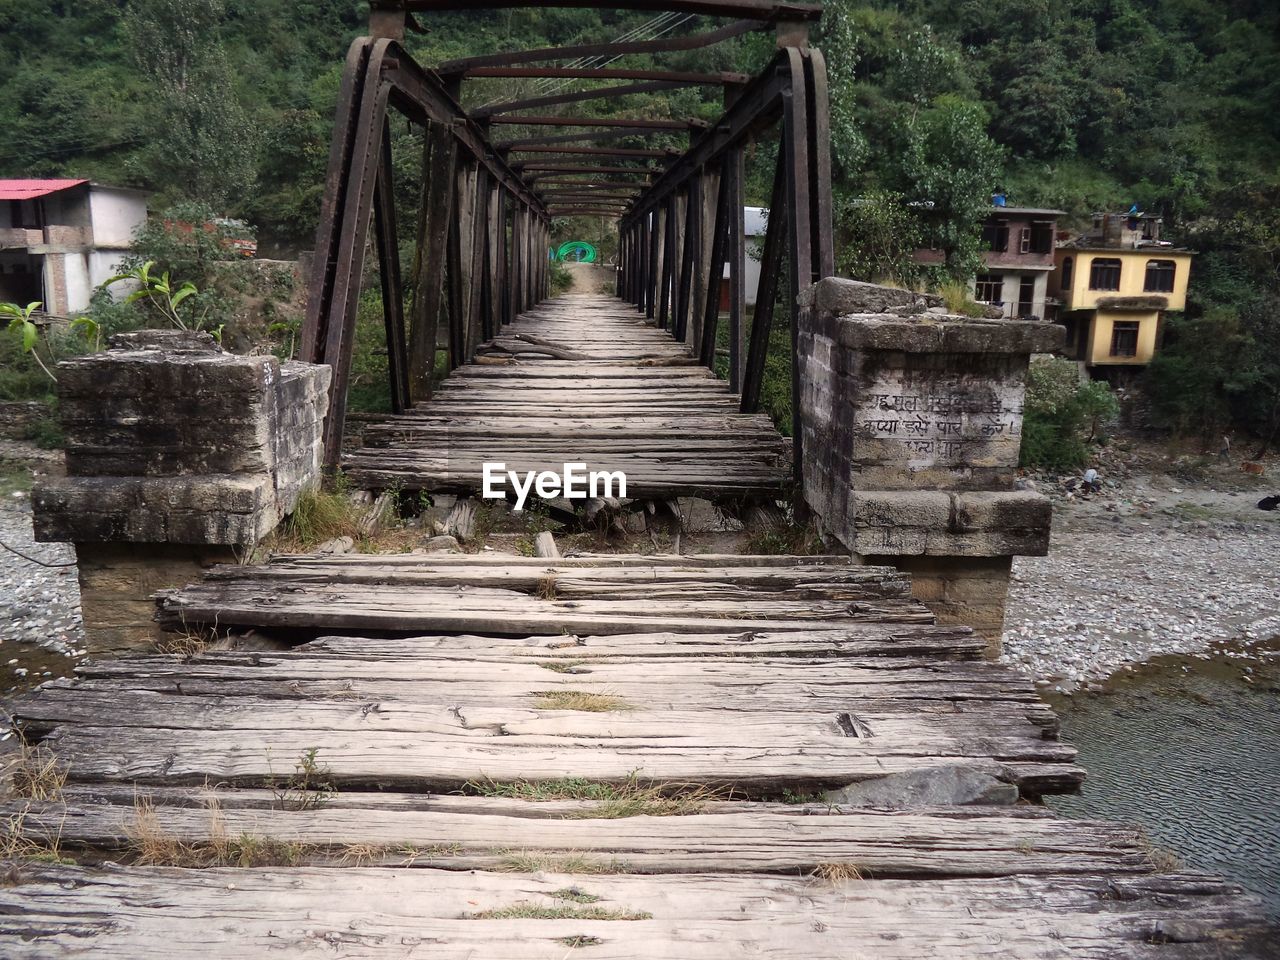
column 1042, row 238
column 1065, row 282
column 995, row 236
column 26, row 214
column 989, row 288
column 1104, row 274
column 1160, row 276
column 1124, row 338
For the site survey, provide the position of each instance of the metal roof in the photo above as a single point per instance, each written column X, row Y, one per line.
column 32, row 189
column 1029, row 211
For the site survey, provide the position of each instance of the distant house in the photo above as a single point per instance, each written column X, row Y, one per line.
column 59, row 239
column 1017, row 260
column 755, row 225
column 1113, row 285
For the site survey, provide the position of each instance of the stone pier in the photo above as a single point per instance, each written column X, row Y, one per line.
column 179, row 456
column 912, row 423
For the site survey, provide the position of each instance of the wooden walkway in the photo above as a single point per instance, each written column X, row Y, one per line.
column 580, row 379
column 609, row 757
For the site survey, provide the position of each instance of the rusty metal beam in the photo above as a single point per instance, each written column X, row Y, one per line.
column 694, row 41
column 758, row 107
column 605, row 73
column 609, row 152
column 596, row 184
column 630, row 123
column 763, row 10
column 576, row 96
column 587, row 136
column 540, row 172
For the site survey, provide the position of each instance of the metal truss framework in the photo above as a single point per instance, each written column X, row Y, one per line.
column 485, row 208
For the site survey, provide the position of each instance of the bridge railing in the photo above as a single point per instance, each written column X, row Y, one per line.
column 479, row 244
column 683, row 232
column 485, row 209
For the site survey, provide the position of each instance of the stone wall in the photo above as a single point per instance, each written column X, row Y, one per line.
column 18, row 417
column 912, row 422
column 178, row 455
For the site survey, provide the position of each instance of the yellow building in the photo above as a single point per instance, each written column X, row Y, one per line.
column 1113, row 286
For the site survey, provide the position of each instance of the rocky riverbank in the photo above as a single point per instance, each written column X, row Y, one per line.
column 1149, row 568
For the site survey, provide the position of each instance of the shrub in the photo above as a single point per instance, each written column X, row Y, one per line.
column 1063, row 415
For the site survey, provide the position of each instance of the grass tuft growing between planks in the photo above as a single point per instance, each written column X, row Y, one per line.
column 21, row 844
column 580, row 940
column 836, row 872
column 534, row 861
column 188, row 645
column 609, row 801
column 579, row 700
column 310, row 787
column 574, row 895
column 36, row 773
column 153, row 845
column 527, row 910
column 561, row 666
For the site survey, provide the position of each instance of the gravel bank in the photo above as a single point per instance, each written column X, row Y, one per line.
column 1160, row 570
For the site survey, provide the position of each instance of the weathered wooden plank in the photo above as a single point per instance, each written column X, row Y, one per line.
column 368, row 912
column 469, row 835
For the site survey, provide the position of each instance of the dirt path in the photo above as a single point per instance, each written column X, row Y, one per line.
column 590, row 278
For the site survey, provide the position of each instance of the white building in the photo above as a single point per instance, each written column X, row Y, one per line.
column 756, row 223
column 60, row 239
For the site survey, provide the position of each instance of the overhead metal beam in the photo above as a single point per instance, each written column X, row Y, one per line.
column 597, row 152
column 597, row 136
column 694, row 41
column 750, row 9
column 605, row 73
column 630, row 123
column 541, row 171
column 757, row 108
column 597, row 184
column 576, row 96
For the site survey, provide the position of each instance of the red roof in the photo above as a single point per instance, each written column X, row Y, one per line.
column 30, row 189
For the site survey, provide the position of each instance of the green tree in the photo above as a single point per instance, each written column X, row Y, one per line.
column 878, row 236
column 951, row 164
column 201, row 144
column 1062, row 414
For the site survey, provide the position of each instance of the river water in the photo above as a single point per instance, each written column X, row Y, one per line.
column 1190, row 749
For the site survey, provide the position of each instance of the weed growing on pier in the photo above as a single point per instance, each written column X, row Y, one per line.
column 579, row 700
column 547, row 588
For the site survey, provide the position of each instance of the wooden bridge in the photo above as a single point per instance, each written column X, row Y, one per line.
column 605, row 756
column 580, row 379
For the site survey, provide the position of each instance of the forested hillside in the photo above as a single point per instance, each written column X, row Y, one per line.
column 1081, row 104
